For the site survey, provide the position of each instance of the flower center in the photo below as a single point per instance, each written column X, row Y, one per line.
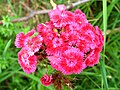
column 71, row 63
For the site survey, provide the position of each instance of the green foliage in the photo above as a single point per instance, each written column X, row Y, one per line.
column 8, row 32
column 12, row 76
column 3, row 61
column 8, row 29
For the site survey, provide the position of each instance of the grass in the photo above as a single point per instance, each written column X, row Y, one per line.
column 103, row 70
column 104, row 76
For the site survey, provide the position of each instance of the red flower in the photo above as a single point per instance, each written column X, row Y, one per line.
column 71, row 61
column 80, row 17
column 101, row 38
column 55, row 61
column 46, row 80
column 34, row 44
column 21, row 38
column 60, row 16
column 71, row 43
column 93, row 57
column 26, row 61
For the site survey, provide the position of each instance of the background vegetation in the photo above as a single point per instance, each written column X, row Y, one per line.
column 12, row 76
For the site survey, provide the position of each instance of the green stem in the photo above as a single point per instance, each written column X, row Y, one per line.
column 102, row 61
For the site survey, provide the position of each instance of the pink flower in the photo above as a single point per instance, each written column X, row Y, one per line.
column 21, row 38
column 47, row 32
column 71, row 61
column 67, row 18
column 46, row 80
column 88, row 34
column 60, row 16
column 55, row 15
column 58, row 50
column 61, row 7
column 80, row 17
column 93, row 57
column 55, row 61
column 57, row 42
column 76, row 38
column 70, row 43
column 54, row 46
column 100, row 36
column 26, row 61
column 83, row 45
column 34, row 44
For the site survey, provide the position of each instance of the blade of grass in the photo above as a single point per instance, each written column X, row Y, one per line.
column 102, row 64
column 110, row 7
column 8, row 75
column 90, row 74
column 29, row 76
column 12, row 8
column 103, row 71
column 6, row 47
column 93, row 81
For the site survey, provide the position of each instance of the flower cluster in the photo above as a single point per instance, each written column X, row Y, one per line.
column 29, row 45
column 71, row 42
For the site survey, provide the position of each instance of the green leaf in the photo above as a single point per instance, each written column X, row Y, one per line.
column 6, row 47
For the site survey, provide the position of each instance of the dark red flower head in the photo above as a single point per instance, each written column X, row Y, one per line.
column 46, row 80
